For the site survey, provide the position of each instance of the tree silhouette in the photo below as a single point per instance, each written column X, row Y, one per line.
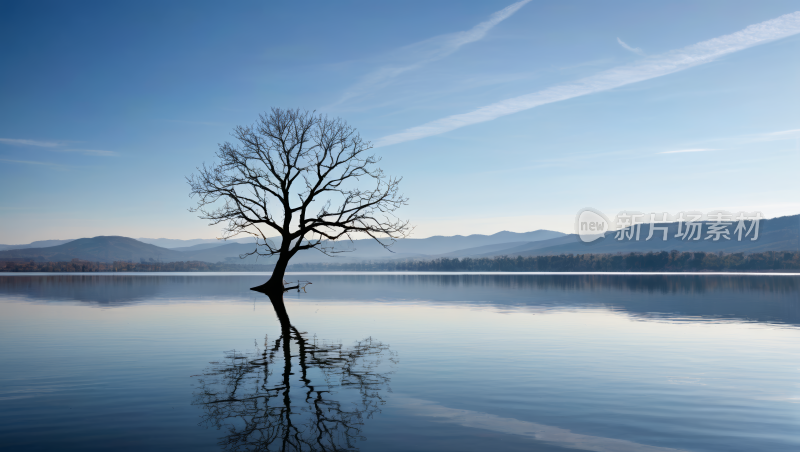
column 263, row 405
column 285, row 167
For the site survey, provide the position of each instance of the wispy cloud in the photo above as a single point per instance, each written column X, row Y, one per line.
column 43, row 144
column 200, row 123
column 681, row 151
column 635, row 50
column 782, row 133
column 427, row 51
column 53, row 145
column 645, row 69
column 32, row 162
column 95, row 152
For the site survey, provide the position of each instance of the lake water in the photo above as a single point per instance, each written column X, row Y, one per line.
column 400, row 362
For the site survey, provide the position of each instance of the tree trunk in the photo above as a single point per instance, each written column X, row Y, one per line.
column 274, row 288
column 275, row 283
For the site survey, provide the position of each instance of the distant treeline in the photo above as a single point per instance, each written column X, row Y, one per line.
column 77, row 265
column 673, row 261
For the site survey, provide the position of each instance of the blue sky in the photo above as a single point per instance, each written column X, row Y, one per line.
column 498, row 115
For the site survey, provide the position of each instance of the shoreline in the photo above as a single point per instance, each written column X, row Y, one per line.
column 410, row 273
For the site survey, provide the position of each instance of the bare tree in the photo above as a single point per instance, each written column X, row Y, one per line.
column 302, row 177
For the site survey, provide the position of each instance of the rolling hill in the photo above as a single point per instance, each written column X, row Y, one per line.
column 778, row 234
column 96, row 249
column 202, row 243
column 115, row 248
column 37, row 244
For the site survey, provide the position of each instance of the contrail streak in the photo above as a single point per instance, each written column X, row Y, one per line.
column 645, row 69
column 625, row 46
column 430, row 50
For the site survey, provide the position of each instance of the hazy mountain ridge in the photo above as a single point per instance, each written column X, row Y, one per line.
column 192, row 243
column 116, row 248
column 36, row 244
column 96, row 249
column 178, row 244
column 777, row 234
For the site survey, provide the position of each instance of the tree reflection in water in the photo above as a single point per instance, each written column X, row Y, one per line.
column 264, row 405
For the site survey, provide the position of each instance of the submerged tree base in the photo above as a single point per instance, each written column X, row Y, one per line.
column 266, row 288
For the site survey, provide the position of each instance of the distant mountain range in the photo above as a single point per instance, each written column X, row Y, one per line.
column 778, row 234
column 192, row 243
column 163, row 243
column 115, row 248
column 37, row 244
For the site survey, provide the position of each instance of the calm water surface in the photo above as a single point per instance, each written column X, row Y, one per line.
column 401, row 362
